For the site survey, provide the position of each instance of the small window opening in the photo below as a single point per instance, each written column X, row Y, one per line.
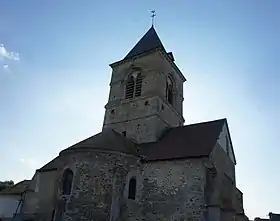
column 67, row 180
column 132, row 188
column 113, row 111
column 124, row 133
column 146, row 103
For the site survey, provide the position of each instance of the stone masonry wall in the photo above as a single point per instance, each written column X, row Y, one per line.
column 41, row 200
column 98, row 186
column 46, row 193
column 173, row 190
column 225, row 175
column 224, row 195
column 222, row 162
column 155, row 69
column 144, row 119
column 179, row 96
column 238, row 201
column 141, row 130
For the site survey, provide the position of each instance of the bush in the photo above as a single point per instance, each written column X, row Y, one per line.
column 6, row 184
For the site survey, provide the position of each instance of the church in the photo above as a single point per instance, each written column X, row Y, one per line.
column 145, row 164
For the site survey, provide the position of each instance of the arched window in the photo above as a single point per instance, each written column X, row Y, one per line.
column 67, row 180
column 169, row 90
column 134, row 85
column 132, row 188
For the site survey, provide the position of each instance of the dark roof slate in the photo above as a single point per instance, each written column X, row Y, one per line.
column 52, row 165
column 195, row 140
column 148, row 42
column 190, row 141
column 108, row 139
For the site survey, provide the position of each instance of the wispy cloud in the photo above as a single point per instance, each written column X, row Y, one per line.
column 7, row 56
column 4, row 53
column 30, row 163
column 6, row 68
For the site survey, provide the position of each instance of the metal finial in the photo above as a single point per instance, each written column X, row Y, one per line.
column 153, row 16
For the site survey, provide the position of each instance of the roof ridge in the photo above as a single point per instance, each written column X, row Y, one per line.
column 205, row 122
column 22, row 181
column 81, row 141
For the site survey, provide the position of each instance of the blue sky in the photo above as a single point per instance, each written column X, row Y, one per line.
column 53, row 93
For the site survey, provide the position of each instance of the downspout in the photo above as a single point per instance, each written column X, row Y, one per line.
column 22, row 198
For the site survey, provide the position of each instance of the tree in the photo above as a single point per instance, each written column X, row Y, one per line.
column 6, row 184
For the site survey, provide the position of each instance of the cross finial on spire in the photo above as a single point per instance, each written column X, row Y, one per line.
column 153, row 16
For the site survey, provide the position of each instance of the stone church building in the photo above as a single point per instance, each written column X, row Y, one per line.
column 145, row 164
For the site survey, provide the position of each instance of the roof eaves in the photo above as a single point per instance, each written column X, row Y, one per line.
column 178, row 158
column 165, row 54
column 230, row 141
column 112, row 65
column 47, row 170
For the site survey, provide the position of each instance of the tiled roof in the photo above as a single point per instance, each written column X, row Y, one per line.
column 108, row 139
column 195, row 140
column 148, row 42
column 52, row 165
column 190, row 141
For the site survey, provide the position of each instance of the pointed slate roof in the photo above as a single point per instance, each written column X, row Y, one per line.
column 194, row 140
column 148, row 42
column 108, row 139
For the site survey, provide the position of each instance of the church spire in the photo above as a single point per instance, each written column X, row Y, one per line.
column 147, row 43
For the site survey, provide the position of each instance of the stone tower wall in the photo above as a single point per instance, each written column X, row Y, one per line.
column 144, row 118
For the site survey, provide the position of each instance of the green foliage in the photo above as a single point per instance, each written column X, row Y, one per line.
column 6, row 184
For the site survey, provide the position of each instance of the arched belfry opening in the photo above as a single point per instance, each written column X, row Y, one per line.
column 129, row 89
column 138, row 85
column 134, row 85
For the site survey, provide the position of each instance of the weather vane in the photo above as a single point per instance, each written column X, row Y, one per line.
column 153, row 16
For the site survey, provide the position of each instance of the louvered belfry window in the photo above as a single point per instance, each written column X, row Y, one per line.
column 138, row 85
column 129, row 90
column 133, row 86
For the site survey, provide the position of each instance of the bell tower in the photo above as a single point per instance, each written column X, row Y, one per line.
column 146, row 92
